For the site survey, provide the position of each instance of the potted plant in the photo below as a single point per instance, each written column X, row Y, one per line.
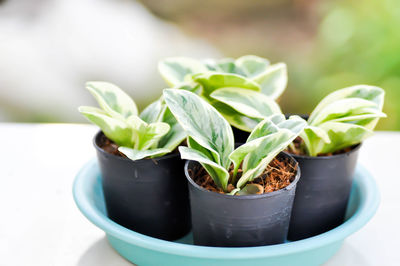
column 327, row 153
column 242, row 90
column 239, row 197
column 143, row 183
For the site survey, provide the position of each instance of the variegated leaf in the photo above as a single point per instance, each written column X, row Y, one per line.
column 218, row 173
column 252, row 65
column 211, row 81
column 342, row 108
column 255, row 162
column 146, row 136
column 175, row 135
column 264, row 143
column 235, row 118
column 134, row 154
column 366, row 92
column 202, row 122
column 114, row 129
column 273, row 81
column 248, row 102
column 342, row 135
column 153, row 112
column 114, row 101
column 275, row 123
column 175, row 69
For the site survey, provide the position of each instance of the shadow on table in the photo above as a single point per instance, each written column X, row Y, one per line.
column 348, row 255
column 101, row 253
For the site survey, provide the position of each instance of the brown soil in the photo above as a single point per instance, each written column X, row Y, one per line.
column 109, row 146
column 299, row 151
column 278, row 174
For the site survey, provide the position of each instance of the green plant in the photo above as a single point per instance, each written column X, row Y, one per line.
column 153, row 133
column 242, row 90
column 211, row 143
column 342, row 119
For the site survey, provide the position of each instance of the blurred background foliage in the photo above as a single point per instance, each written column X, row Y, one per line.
column 327, row 45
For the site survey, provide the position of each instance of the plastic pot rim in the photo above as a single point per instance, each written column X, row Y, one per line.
column 245, row 197
column 98, row 148
column 355, row 148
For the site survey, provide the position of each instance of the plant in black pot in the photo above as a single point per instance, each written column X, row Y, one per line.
column 239, row 197
column 243, row 90
column 143, row 182
column 327, row 152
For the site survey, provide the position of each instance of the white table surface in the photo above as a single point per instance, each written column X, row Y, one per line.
column 40, row 224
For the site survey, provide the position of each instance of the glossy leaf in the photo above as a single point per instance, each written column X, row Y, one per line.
column 147, row 135
column 135, row 154
column 273, row 81
column 235, row 118
column 252, row 65
column 114, row 101
column 211, row 81
column 248, row 102
column 264, row 143
column 251, row 189
column 276, row 122
column 366, row 92
column 175, row 69
column 218, row 173
column 175, row 135
column 343, row 108
column 153, row 112
column 343, row 118
column 202, row 122
column 113, row 128
column 255, row 162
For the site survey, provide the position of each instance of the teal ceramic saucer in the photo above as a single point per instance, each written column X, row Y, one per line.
column 144, row 250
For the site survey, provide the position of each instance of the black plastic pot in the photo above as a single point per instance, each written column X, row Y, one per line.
column 240, row 221
column 240, row 136
column 322, row 193
column 149, row 196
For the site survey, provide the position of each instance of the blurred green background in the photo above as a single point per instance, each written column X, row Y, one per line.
column 327, row 45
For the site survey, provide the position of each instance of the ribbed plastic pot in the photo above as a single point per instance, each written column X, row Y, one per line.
column 322, row 193
column 222, row 220
column 149, row 196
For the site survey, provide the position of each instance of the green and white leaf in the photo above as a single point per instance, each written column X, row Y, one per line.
column 366, row 92
column 114, row 101
column 273, row 81
column 250, row 189
column 343, row 118
column 211, row 81
column 235, row 118
column 264, row 143
column 218, row 173
column 342, row 108
column 252, row 65
column 153, row 112
column 247, row 102
column 314, row 139
column 146, row 135
column 114, row 129
column 341, row 135
column 255, row 162
column 135, row 154
column 275, row 123
column 175, row 69
column 175, row 135
column 202, row 122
